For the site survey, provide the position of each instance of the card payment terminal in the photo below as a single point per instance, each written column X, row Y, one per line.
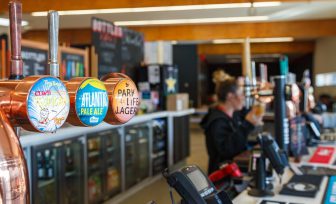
column 194, row 186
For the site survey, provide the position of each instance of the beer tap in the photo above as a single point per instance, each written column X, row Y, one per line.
column 88, row 95
column 36, row 103
column 123, row 98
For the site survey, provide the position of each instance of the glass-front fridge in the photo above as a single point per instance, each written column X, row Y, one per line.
column 159, row 152
column 57, row 172
column 136, row 154
column 95, row 168
column 130, row 157
column 143, row 152
column 112, row 154
column 72, row 191
column 44, row 175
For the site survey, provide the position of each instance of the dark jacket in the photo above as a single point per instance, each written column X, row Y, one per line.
column 225, row 137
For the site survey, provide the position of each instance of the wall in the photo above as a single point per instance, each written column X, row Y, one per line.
column 325, row 61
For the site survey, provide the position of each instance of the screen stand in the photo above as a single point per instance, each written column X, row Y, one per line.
column 260, row 189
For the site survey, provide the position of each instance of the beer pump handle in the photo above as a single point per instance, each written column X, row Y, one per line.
column 53, row 27
column 15, row 20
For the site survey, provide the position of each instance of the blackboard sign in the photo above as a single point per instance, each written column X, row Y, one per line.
column 35, row 61
column 106, row 38
column 132, row 51
column 118, row 49
column 72, row 65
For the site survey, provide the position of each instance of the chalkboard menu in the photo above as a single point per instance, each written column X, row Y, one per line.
column 132, row 51
column 118, row 49
column 72, row 65
column 35, row 61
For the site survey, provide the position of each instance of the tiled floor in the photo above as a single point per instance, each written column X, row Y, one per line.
column 158, row 190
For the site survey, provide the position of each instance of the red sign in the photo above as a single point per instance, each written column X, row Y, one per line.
column 322, row 155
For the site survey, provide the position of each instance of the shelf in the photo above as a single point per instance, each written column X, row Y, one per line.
column 93, row 154
column 143, row 140
column 110, row 149
column 159, row 154
column 70, row 173
column 43, row 183
column 94, row 167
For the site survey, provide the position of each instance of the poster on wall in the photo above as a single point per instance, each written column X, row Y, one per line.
column 106, row 38
column 132, row 51
column 72, row 65
column 118, row 49
column 35, row 61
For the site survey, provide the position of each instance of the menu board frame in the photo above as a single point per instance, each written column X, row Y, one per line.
column 74, row 51
column 37, row 45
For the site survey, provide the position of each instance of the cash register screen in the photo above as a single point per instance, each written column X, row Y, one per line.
column 198, row 179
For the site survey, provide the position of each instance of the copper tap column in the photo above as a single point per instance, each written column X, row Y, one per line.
column 14, row 182
column 37, row 103
column 123, row 98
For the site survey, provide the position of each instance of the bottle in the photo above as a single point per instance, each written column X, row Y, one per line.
column 40, row 166
column 51, row 166
column 48, row 164
column 69, row 160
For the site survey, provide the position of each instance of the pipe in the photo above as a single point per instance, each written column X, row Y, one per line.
column 14, row 182
column 15, row 18
column 53, row 27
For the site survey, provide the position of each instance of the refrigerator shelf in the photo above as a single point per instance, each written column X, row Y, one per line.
column 110, row 149
column 70, row 173
column 159, row 154
column 94, row 168
column 43, row 183
column 143, row 140
column 93, row 154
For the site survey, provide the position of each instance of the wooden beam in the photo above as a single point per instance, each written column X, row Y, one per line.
column 45, row 5
column 297, row 29
column 257, row 48
column 66, row 36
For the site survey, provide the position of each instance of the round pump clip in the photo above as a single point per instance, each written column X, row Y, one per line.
column 90, row 99
column 123, row 98
column 40, row 103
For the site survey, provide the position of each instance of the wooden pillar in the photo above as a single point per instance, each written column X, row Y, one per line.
column 246, row 58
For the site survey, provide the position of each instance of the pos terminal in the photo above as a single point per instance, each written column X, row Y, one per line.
column 194, row 187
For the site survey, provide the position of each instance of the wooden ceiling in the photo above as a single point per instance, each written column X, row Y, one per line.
column 45, row 5
column 307, row 30
column 300, row 30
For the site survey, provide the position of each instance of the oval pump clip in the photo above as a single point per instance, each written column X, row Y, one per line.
column 36, row 103
column 88, row 96
column 123, row 98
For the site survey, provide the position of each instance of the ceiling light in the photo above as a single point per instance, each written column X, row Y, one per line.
column 266, row 4
column 191, row 21
column 5, row 22
column 280, row 39
column 163, row 8
column 227, row 41
column 173, row 42
column 253, row 40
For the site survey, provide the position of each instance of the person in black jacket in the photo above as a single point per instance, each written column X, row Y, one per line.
column 227, row 125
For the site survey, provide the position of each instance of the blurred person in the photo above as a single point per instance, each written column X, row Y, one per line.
column 327, row 100
column 226, row 128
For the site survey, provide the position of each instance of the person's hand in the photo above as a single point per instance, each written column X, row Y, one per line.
column 256, row 114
